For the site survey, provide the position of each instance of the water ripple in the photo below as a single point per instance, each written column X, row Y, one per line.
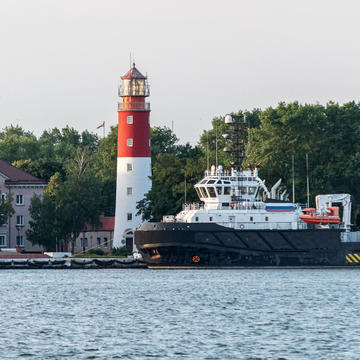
column 142, row 314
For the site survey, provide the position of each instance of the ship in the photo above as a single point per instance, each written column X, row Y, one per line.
column 239, row 223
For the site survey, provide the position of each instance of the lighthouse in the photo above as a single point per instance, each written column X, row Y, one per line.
column 133, row 155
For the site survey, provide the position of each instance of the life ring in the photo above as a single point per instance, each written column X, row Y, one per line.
column 196, row 259
column 242, row 226
column 232, row 205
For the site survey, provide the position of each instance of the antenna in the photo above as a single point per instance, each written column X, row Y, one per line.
column 216, row 147
column 207, row 150
column 307, row 180
column 185, row 186
column 293, row 178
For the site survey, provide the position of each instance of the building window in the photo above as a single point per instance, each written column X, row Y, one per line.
column 129, row 142
column 105, row 242
column 83, row 243
column 129, row 216
column 19, row 199
column 266, row 218
column 210, row 218
column 130, row 119
column 251, row 218
column 2, row 240
column 129, row 191
column 20, row 220
column 98, row 241
column 129, row 167
column 19, row 240
column 149, row 119
column 3, row 196
column 149, row 142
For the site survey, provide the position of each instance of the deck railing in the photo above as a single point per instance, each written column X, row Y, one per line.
column 144, row 106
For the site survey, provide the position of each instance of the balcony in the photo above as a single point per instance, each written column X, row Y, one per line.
column 142, row 106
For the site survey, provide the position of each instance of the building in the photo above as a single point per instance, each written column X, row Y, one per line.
column 133, row 155
column 97, row 239
column 22, row 186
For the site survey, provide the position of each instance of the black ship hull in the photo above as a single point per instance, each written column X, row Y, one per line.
column 185, row 245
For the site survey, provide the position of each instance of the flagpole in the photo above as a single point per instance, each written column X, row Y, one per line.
column 104, row 130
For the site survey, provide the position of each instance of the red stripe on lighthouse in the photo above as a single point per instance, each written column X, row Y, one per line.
column 138, row 131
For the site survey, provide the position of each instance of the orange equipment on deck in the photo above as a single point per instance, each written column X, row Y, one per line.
column 310, row 217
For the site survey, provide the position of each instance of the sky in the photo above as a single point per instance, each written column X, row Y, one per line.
column 61, row 60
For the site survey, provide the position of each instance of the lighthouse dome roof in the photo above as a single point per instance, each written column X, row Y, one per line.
column 133, row 73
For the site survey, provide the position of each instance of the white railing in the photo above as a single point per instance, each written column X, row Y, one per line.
column 145, row 106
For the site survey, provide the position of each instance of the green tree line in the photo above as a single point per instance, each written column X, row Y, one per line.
column 80, row 167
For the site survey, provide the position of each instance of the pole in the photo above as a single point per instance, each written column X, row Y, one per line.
column 104, row 130
column 293, row 177
column 216, row 150
column 207, row 135
column 185, row 187
column 307, row 180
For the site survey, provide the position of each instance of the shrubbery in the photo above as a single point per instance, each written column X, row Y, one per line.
column 121, row 251
column 96, row 252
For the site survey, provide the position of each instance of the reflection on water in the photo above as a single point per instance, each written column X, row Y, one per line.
column 184, row 314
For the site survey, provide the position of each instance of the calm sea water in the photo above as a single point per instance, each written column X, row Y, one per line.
column 180, row 314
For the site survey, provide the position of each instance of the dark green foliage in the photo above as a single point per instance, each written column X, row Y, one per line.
column 123, row 251
column 96, row 252
column 6, row 208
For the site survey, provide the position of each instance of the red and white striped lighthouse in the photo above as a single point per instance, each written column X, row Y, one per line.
column 133, row 156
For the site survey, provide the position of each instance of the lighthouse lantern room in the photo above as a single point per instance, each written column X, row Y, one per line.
column 133, row 155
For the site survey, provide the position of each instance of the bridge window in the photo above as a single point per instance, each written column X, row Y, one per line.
column 204, row 192
column 219, row 190
column 227, row 190
column 212, row 192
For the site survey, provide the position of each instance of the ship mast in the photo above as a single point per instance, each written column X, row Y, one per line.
column 236, row 142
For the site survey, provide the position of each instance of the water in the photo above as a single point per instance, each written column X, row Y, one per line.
column 179, row 314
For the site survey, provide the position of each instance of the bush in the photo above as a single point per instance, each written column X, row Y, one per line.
column 121, row 251
column 96, row 252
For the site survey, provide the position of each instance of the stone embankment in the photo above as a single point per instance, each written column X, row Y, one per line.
column 71, row 263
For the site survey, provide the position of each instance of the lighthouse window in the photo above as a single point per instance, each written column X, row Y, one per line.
column 227, row 190
column 129, row 191
column 129, row 142
column 130, row 119
column 129, row 216
column 129, row 167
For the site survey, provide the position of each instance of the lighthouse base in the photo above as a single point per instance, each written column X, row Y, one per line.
column 132, row 184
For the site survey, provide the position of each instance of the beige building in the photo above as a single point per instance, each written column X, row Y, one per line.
column 100, row 239
column 22, row 186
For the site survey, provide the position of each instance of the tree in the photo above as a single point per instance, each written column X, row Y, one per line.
column 44, row 228
column 78, row 198
column 6, row 208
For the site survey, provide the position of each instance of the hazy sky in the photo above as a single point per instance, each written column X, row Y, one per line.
column 61, row 60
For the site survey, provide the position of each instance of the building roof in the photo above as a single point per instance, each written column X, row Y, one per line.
column 15, row 176
column 133, row 73
column 108, row 223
